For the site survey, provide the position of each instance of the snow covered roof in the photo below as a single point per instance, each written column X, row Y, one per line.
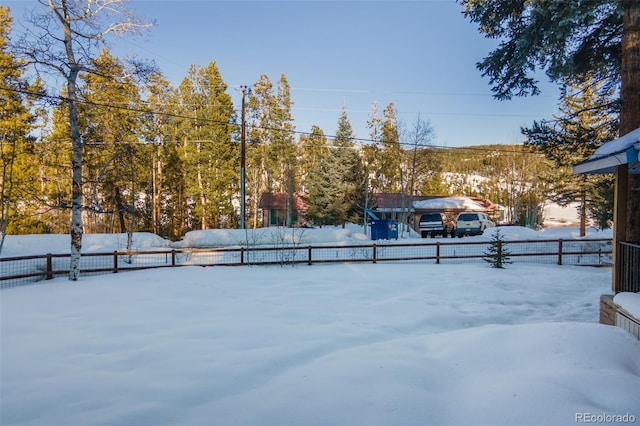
column 624, row 150
column 392, row 202
column 454, row 203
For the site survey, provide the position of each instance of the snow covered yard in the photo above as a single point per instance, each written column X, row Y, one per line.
column 335, row 344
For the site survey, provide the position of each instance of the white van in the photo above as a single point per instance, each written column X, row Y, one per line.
column 472, row 223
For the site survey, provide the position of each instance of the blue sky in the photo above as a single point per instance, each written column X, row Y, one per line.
column 418, row 54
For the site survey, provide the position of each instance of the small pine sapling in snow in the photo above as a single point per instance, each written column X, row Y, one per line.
column 497, row 255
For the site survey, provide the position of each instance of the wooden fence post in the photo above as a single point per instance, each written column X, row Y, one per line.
column 309, row 261
column 242, row 255
column 438, row 253
column 49, row 267
column 374, row 253
column 173, row 257
column 115, row 262
column 560, row 251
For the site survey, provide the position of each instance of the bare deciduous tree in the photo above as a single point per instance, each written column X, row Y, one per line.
column 415, row 140
column 62, row 41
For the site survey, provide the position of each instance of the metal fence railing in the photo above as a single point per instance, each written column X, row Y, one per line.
column 16, row 271
column 629, row 261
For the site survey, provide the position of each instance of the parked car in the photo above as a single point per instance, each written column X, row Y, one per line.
column 472, row 223
column 432, row 224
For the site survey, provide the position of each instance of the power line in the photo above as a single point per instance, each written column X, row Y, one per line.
column 61, row 98
column 396, row 92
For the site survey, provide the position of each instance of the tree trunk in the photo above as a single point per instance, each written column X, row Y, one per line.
column 120, row 209
column 255, row 197
column 201, row 188
column 76, row 142
column 289, row 177
column 76, row 166
column 183, row 213
column 203, row 200
column 158, row 203
column 630, row 107
column 583, row 208
column 6, row 187
column 76, row 185
column 627, row 188
column 156, row 177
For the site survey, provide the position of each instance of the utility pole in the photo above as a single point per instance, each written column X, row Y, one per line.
column 243, row 225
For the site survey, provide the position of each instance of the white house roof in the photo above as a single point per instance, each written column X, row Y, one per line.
column 624, row 150
column 455, row 203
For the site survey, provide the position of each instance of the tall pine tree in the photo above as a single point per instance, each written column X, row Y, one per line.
column 166, row 179
column 389, row 171
column 313, row 147
column 350, row 172
column 18, row 165
column 208, row 153
column 261, row 106
column 319, row 177
column 282, row 151
column 110, row 126
column 584, row 124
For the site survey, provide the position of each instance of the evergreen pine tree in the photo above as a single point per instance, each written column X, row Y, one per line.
column 372, row 152
column 389, row 173
column 110, row 126
column 497, row 255
column 53, row 153
column 18, row 165
column 260, row 107
column 315, row 155
column 283, row 150
column 207, row 151
column 349, row 172
column 312, row 147
column 585, row 123
column 325, row 199
column 167, row 182
column 600, row 204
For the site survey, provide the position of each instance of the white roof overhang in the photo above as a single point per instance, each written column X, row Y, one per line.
column 624, row 150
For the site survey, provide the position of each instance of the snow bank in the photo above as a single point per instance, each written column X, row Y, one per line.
column 24, row 245
column 524, row 233
column 511, row 233
column 334, row 344
column 262, row 236
column 630, row 302
column 573, row 232
column 141, row 241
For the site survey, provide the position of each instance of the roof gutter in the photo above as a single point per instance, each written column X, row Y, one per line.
column 609, row 163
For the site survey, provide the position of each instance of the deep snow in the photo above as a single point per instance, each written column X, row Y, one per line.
column 335, row 344
column 24, row 245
